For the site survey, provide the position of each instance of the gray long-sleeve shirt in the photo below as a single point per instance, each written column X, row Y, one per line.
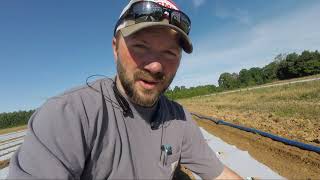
column 83, row 134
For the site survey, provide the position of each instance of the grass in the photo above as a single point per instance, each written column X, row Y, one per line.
column 300, row 100
column 296, row 79
column 13, row 129
column 291, row 110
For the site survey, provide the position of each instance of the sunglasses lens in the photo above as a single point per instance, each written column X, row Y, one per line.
column 185, row 23
column 147, row 12
column 175, row 18
column 180, row 20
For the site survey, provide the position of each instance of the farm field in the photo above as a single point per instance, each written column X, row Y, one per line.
column 13, row 129
column 291, row 111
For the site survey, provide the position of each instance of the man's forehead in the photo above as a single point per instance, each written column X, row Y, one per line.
column 156, row 30
column 146, row 34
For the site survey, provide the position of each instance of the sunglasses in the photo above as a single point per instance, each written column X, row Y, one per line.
column 147, row 11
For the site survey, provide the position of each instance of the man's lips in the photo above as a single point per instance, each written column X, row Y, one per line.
column 148, row 84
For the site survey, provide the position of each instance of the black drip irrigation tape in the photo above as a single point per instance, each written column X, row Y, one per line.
column 265, row 134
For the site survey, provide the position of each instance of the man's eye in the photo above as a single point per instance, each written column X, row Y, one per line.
column 140, row 46
column 171, row 53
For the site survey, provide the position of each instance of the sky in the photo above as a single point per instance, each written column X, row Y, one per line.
column 48, row 47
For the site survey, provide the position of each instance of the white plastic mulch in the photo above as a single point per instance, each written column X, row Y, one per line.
column 9, row 136
column 4, row 172
column 239, row 161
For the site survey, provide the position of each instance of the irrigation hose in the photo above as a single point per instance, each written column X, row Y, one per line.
column 262, row 133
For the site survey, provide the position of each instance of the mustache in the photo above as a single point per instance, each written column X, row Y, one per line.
column 141, row 74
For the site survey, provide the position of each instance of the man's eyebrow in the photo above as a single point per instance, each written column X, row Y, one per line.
column 175, row 47
column 136, row 38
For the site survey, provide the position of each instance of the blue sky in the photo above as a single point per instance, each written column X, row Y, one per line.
column 47, row 47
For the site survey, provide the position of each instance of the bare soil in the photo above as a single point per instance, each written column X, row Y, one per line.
column 290, row 162
column 4, row 163
column 183, row 173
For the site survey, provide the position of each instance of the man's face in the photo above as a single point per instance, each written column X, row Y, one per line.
column 147, row 62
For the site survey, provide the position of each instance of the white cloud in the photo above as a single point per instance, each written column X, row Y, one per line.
column 294, row 32
column 198, row 3
column 240, row 15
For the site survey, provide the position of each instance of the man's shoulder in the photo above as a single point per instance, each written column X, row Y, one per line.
column 93, row 88
column 89, row 95
column 90, row 89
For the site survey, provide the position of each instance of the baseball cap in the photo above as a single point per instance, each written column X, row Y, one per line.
column 128, row 26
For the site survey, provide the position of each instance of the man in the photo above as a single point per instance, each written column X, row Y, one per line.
column 123, row 128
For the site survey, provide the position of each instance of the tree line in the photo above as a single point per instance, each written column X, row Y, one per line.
column 183, row 92
column 14, row 119
column 284, row 66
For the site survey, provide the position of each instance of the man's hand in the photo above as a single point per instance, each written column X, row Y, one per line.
column 228, row 174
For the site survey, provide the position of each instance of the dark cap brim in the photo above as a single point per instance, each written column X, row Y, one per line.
column 186, row 43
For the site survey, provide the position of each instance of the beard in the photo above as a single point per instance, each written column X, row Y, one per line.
column 141, row 96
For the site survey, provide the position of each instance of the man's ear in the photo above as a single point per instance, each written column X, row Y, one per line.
column 115, row 48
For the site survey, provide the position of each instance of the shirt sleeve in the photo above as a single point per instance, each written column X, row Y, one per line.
column 55, row 145
column 196, row 154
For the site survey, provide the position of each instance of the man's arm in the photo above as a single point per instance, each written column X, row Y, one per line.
column 228, row 174
column 197, row 156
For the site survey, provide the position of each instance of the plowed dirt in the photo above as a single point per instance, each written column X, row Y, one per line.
column 290, row 162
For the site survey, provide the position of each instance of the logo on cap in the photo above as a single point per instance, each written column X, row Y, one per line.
column 167, row 3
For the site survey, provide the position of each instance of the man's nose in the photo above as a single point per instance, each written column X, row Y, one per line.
column 154, row 67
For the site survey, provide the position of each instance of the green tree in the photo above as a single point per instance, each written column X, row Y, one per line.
column 308, row 63
column 257, row 75
column 245, row 78
column 184, row 92
column 176, row 88
column 287, row 68
column 228, row 81
column 270, row 71
column 251, row 77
